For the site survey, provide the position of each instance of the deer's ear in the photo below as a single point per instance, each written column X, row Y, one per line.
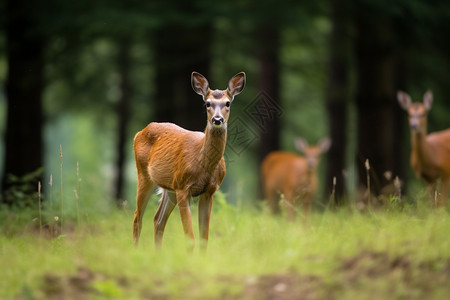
column 236, row 84
column 428, row 99
column 301, row 144
column 404, row 99
column 199, row 84
column 324, row 144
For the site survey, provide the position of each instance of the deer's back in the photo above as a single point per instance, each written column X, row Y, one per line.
column 284, row 170
column 439, row 143
column 162, row 150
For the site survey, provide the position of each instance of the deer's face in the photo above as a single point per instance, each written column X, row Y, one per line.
column 417, row 115
column 417, row 111
column 312, row 154
column 218, row 105
column 218, row 102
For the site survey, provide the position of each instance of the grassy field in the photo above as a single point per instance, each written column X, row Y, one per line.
column 343, row 254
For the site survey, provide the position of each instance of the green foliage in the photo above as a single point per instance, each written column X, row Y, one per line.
column 82, row 76
column 23, row 190
column 108, row 288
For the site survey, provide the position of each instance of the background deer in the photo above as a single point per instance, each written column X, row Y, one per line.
column 430, row 153
column 292, row 175
column 184, row 163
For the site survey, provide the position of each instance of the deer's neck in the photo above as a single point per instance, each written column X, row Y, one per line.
column 213, row 147
column 420, row 147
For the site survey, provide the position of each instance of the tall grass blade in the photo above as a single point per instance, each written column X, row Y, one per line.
column 40, row 210
column 77, row 193
column 367, row 165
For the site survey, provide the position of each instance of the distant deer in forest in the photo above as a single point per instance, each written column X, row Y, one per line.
column 293, row 176
column 430, row 153
column 184, row 163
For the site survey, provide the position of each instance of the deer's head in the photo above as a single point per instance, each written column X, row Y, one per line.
column 313, row 152
column 218, row 102
column 417, row 111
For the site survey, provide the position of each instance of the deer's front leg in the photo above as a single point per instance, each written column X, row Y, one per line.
column 443, row 198
column 185, row 213
column 433, row 194
column 204, row 215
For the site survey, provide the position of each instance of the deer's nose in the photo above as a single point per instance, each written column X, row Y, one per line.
column 217, row 120
column 414, row 125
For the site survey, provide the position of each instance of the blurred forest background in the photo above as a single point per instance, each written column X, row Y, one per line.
column 85, row 76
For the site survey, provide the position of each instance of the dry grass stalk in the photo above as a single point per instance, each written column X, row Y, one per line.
column 77, row 193
column 332, row 202
column 62, row 200
column 40, row 210
column 367, row 165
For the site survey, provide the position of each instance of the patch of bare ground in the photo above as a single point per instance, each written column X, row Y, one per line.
column 76, row 286
column 284, row 287
column 366, row 275
column 393, row 276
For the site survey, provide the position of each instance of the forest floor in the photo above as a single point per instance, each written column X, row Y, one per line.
column 362, row 276
column 251, row 255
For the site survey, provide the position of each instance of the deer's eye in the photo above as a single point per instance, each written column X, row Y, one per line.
column 208, row 103
column 228, row 103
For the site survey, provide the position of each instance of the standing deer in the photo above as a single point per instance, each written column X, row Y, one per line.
column 184, row 163
column 430, row 153
column 293, row 176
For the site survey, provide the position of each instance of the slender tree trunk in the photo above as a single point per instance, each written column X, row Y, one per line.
column 123, row 113
column 268, row 101
column 375, row 100
column 24, row 86
column 337, row 95
column 400, row 142
column 268, row 83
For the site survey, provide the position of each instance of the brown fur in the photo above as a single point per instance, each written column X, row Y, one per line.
column 430, row 153
column 217, row 94
column 183, row 163
column 292, row 175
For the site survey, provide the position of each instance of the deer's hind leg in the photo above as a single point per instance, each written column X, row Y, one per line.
column 144, row 189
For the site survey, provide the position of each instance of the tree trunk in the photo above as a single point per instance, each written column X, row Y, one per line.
column 269, row 86
column 123, row 113
column 24, row 85
column 268, row 100
column 400, row 142
column 378, row 123
column 336, row 98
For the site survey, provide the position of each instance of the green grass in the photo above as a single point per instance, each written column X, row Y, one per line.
column 343, row 254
